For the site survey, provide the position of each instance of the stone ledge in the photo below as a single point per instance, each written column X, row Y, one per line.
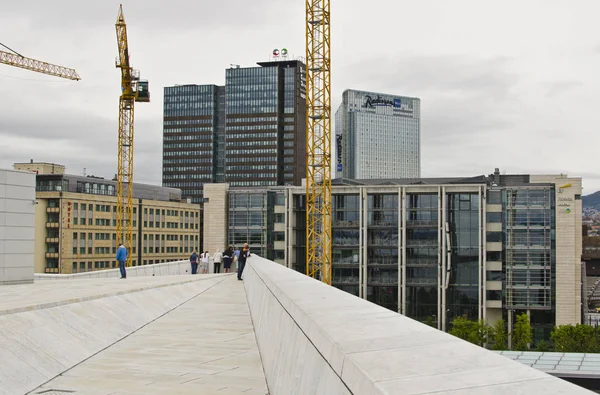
column 372, row 350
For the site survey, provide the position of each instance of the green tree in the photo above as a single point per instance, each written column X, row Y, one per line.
column 499, row 336
column 476, row 332
column 484, row 333
column 522, row 333
column 576, row 338
column 542, row 346
column 463, row 329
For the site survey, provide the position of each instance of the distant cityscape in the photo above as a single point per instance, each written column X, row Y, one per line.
column 591, row 214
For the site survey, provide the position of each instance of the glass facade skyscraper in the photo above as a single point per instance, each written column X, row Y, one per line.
column 265, row 124
column 190, row 137
column 378, row 136
column 250, row 132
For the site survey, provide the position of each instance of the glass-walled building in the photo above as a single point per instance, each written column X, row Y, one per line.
column 250, row 132
column 190, row 137
column 487, row 247
column 378, row 136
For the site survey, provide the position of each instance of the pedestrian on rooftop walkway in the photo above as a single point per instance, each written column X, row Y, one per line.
column 228, row 259
column 244, row 254
column 217, row 258
column 194, row 262
column 121, row 258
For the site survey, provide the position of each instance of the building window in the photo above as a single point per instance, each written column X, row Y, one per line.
column 493, row 217
column 494, row 197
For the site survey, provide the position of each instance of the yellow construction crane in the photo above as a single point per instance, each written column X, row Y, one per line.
column 17, row 60
column 132, row 90
column 318, row 141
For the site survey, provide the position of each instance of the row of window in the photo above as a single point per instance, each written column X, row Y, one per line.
column 252, row 119
column 191, row 130
column 184, row 122
column 187, row 145
column 188, row 137
column 193, row 160
column 238, row 136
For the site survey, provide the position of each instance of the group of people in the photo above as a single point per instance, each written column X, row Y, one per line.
column 230, row 256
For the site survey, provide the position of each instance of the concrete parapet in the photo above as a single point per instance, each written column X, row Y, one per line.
column 316, row 339
column 38, row 344
column 158, row 269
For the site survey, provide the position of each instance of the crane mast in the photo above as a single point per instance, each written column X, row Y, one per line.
column 132, row 90
column 318, row 150
column 38, row 66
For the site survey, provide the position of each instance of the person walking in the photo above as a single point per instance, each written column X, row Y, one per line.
column 121, row 258
column 217, row 258
column 204, row 260
column 244, row 254
column 227, row 259
column 236, row 256
column 194, row 262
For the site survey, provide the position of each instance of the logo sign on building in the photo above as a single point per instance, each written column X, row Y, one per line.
column 338, row 144
column 372, row 101
column 283, row 53
column 378, row 101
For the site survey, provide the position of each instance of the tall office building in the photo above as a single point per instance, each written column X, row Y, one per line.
column 378, row 136
column 250, row 132
column 484, row 247
column 193, row 131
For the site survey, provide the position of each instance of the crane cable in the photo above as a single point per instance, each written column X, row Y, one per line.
column 12, row 50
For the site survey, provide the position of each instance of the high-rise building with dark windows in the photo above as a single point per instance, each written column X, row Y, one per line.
column 191, row 137
column 250, row 132
column 265, row 117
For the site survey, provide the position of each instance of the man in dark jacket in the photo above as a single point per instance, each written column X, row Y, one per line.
column 194, row 262
column 244, row 254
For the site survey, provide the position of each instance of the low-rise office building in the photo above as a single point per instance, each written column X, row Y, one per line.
column 486, row 247
column 75, row 219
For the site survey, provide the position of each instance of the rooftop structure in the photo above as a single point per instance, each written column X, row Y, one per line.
column 277, row 332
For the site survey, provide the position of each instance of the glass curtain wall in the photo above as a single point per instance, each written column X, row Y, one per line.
column 248, row 221
column 530, row 261
column 382, row 250
column 299, row 207
column 346, row 243
column 463, row 285
column 422, row 256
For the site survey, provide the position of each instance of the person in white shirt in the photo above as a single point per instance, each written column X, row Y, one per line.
column 217, row 258
column 204, row 260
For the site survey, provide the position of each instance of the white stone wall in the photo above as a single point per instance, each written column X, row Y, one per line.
column 316, row 339
column 17, row 226
column 215, row 217
column 568, row 246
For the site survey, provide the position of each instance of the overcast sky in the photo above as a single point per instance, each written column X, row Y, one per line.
column 511, row 84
